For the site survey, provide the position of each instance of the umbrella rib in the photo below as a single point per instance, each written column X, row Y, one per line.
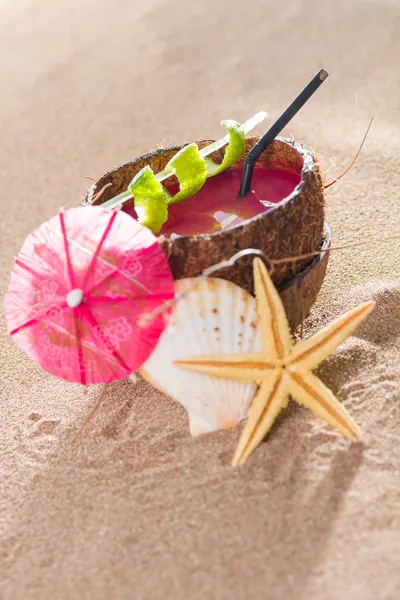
column 95, row 323
column 24, row 326
column 110, row 363
column 33, row 321
column 99, row 247
column 116, row 270
column 80, row 347
column 67, row 254
column 69, row 334
column 24, row 266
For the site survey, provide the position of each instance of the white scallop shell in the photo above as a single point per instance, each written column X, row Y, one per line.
column 214, row 317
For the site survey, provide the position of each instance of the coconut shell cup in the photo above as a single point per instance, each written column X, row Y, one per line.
column 294, row 226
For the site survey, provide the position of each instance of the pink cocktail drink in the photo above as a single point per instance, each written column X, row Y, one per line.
column 216, row 205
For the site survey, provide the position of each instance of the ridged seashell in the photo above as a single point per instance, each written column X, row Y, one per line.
column 214, row 316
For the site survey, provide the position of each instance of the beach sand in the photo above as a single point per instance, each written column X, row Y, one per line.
column 138, row 509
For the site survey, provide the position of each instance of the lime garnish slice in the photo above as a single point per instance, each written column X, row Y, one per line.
column 234, row 150
column 151, row 199
column 191, row 171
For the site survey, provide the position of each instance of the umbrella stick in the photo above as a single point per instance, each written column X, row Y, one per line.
column 91, row 414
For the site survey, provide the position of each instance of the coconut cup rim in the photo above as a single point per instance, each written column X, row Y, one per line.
column 307, row 166
column 308, row 163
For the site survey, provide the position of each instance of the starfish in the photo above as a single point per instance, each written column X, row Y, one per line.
column 283, row 368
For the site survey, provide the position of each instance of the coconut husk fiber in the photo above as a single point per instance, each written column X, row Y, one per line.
column 138, row 509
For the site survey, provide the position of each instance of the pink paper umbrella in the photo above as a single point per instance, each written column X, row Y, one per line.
column 79, row 290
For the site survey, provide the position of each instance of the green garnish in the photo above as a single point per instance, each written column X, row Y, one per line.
column 151, row 199
column 191, row 167
column 234, row 151
column 191, row 171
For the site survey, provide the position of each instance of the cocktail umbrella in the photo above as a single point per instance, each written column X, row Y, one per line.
column 79, row 290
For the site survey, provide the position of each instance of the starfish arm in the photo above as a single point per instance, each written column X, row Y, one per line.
column 266, row 405
column 308, row 390
column 277, row 340
column 309, row 353
column 242, row 367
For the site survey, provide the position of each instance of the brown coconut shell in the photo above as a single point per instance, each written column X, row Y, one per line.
column 292, row 227
column 299, row 293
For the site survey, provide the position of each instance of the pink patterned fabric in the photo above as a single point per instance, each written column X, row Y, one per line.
column 123, row 273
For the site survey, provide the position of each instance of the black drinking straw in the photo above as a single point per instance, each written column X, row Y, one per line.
column 275, row 129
